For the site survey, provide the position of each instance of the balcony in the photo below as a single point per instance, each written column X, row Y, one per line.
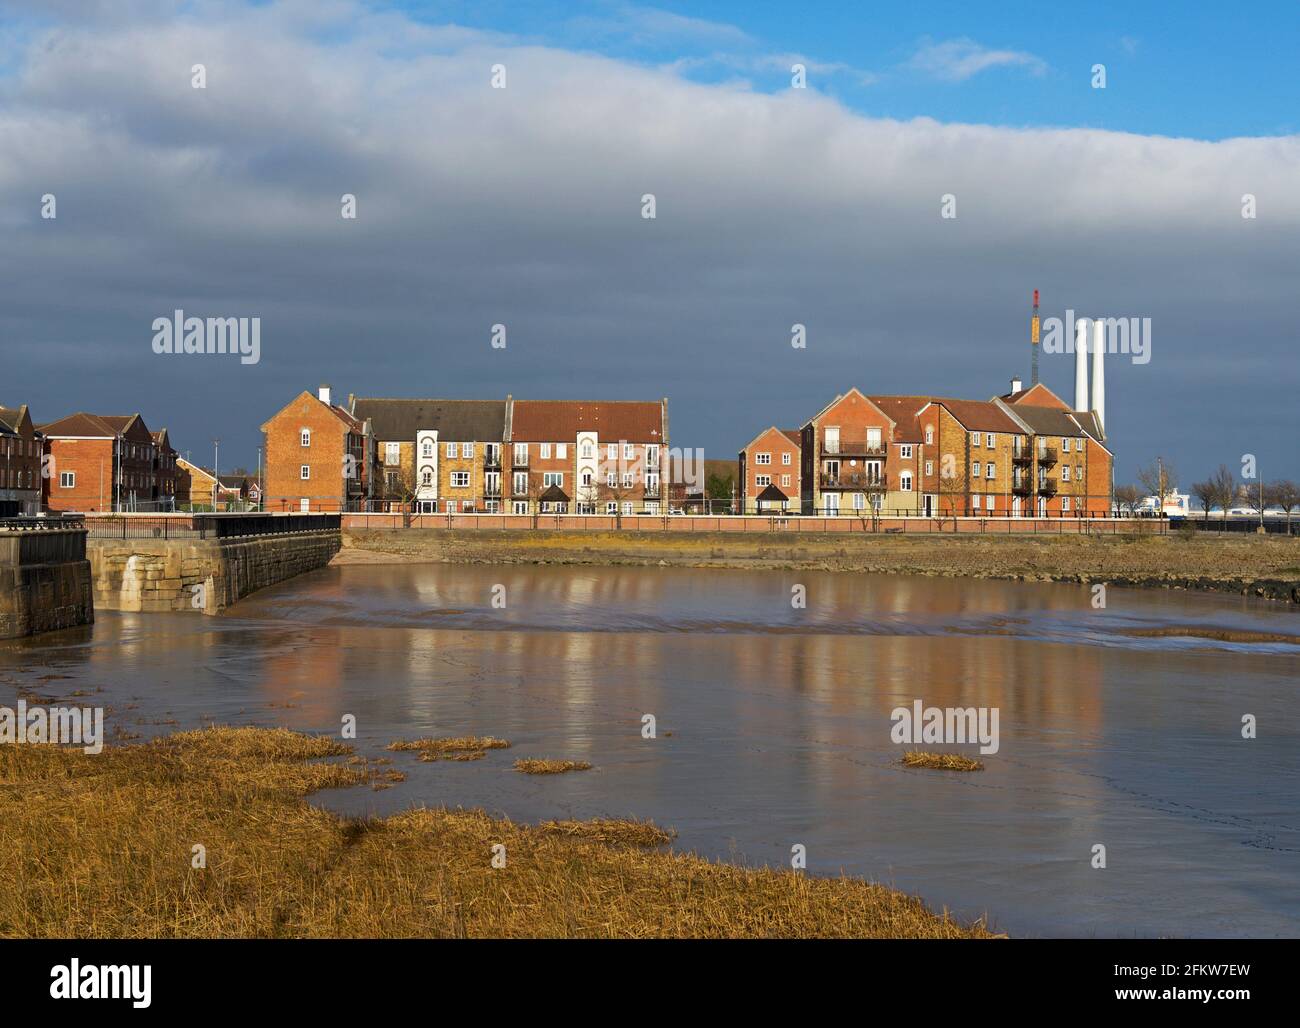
column 1023, row 455
column 857, row 482
column 1047, row 487
column 492, row 489
column 492, row 460
column 652, row 489
column 1022, row 486
column 1047, row 455
column 854, row 448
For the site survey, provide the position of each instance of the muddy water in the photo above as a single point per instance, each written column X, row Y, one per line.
column 774, row 721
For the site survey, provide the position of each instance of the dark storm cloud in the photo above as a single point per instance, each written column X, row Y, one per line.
column 522, row 206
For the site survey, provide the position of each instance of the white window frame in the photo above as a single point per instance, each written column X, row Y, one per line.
column 975, row 468
column 304, row 472
column 544, row 451
column 467, row 450
column 990, row 471
column 905, row 451
column 304, row 437
column 974, row 439
column 762, row 458
column 785, row 458
column 67, row 480
column 762, row 481
column 990, row 440
column 452, row 450
column 929, row 435
column 904, row 481
column 460, row 479
column 561, row 451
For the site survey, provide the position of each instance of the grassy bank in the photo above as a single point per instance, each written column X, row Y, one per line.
column 103, row 846
column 1260, row 566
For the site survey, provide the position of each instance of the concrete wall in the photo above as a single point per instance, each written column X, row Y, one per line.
column 44, row 581
column 200, row 574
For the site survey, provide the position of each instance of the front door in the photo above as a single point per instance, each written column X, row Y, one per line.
column 929, row 505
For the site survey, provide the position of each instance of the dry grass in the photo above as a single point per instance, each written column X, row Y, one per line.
column 941, row 761
column 550, row 767
column 611, row 831
column 467, row 743
column 101, row 846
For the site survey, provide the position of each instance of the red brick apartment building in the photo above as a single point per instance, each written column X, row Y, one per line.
column 106, row 462
column 1022, row 454
column 20, row 463
column 769, row 472
column 319, row 457
column 586, row 456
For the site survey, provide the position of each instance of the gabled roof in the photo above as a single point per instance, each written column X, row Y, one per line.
column 902, row 410
column 193, row 468
column 464, row 421
column 544, row 421
column 1038, row 395
column 96, row 426
column 979, row 415
column 352, row 424
column 11, row 419
column 771, row 495
column 792, row 434
column 553, row 494
column 841, row 396
column 1045, row 420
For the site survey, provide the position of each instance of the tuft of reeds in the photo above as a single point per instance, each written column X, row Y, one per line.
column 102, row 846
column 611, row 831
column 941, row 761
column 461, row 743
column 550, row 767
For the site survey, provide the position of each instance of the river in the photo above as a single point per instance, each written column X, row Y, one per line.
column 773, row 721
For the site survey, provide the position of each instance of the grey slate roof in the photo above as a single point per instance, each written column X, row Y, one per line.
column 465, row 421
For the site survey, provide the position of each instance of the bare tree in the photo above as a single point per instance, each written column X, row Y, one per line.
column 1128, row 497
column 1159, row 480
column 1286, row 494
column 1224, row 487
column 1206, row 494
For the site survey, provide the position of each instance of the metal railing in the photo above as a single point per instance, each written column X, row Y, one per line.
column 207, row 526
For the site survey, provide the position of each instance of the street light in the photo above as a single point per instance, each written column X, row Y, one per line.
column 216, row 468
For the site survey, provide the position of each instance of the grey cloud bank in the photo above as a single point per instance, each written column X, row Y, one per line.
column 521, row 206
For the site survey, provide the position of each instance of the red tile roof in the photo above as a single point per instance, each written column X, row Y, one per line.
column 980, row 415
column 902, row 411
column 541, row 421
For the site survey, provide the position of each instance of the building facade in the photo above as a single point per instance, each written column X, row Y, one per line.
column 21, row 451
column 587, row 456
column 437, row 456
column 769, row 472
column 101, row 462
column 319, row 457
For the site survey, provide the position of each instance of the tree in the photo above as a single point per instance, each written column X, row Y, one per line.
column 1224, row 487
column 1286, row 494
column 1128, row 497
column 1159, row 480
column 1206, row 495
column 1257, row 497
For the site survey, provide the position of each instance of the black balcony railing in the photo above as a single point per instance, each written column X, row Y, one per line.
column 1022, row 486
column 1047, row 455
column 1023, row 456
column 856, row 481
column 854, row 448
column 1047, row 488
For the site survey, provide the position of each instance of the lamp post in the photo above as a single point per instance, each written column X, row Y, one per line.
column 216, row 470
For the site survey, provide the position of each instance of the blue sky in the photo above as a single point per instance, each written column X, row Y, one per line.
column 1206, row 71
column 776, row 206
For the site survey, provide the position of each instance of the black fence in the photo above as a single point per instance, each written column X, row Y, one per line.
column 207, row 526
column 46, row 523
column 1273, row 524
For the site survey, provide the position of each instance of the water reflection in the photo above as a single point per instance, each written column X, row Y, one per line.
column 774, row 721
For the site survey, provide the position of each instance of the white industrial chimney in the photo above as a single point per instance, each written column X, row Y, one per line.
column 323, row 394
column 1099, row 372
column 1081, row 365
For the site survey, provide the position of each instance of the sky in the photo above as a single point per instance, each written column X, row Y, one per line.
column 774, row 206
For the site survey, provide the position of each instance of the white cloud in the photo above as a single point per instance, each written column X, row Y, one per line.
column 521, row 206
column 956, row 60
